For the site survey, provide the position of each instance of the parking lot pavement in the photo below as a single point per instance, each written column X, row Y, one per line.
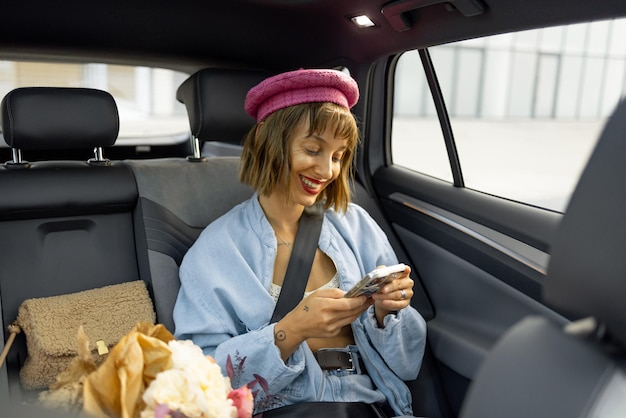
column 536, row 162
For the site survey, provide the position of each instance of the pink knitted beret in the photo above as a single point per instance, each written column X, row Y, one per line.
column 301, row 86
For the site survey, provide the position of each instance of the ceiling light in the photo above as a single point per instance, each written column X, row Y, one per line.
column 362, row 21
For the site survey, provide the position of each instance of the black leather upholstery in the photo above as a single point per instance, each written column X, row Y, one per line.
column 538, row 369
column 214, row 99
column 66, row 226
column 66, row 188
column 59, row 118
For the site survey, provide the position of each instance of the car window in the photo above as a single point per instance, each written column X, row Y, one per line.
column 525, row 108
column 146, row 97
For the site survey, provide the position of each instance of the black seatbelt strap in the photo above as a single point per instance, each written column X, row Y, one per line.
column 299, row 266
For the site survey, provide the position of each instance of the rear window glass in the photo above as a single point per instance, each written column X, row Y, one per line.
column 526, row 108
column 145, row 97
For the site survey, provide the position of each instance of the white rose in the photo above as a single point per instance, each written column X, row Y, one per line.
column 195, row 386
column 174, row 389
column 186, row 355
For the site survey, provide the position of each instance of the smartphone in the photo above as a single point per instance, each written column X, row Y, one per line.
column 375, row 280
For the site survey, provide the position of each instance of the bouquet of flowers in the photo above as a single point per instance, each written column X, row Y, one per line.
column 193, row 387
column 148, row 374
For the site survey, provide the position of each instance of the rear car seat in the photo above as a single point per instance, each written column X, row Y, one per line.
column 67, row 226
column 178, row 198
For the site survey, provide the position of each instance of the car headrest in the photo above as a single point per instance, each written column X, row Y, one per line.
column 59, row 118
column 214, row 99
column 587, row 270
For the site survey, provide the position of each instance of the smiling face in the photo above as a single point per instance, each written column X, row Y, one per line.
column 302, row 154
column 316, row 160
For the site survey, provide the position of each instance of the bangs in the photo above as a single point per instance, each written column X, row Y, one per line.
column 337, row 118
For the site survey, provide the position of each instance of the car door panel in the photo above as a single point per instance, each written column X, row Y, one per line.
column 480, row 276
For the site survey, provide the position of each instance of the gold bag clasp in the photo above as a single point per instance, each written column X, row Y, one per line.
column 102, row 347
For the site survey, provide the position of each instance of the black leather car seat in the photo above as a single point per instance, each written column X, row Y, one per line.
column 214, row 100
column 66, row 226
column 539, row 369
column 180, row 197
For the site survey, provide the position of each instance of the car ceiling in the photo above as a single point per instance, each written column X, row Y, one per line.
column 271, row 34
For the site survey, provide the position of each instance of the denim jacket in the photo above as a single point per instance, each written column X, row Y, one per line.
column 225, row 307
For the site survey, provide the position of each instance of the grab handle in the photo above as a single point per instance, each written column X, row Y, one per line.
column 395, row 11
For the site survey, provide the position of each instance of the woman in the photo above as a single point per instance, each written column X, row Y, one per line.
column 300, row 155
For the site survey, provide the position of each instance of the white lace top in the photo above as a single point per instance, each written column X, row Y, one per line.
column 333, row 283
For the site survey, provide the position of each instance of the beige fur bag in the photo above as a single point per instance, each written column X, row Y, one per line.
column 51, row 325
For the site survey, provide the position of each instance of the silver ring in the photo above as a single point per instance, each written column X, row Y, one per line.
column 402, row 293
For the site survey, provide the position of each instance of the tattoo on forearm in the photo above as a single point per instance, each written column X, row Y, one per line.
column 280, row 335
column 306, row 308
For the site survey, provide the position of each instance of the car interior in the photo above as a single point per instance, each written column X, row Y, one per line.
column 522, row 299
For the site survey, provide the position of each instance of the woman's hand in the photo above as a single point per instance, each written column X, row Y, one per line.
column 394, row 296
column 322, row 314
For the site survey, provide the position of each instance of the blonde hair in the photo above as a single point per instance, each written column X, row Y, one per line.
column 266, row 161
